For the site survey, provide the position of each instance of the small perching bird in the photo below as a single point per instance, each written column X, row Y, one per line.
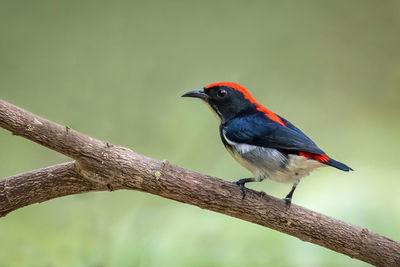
column 263, row 142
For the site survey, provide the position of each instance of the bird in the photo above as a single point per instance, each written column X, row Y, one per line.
column 266, row 144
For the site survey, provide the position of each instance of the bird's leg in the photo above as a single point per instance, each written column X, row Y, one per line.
column 242, row 182
column 288, row 198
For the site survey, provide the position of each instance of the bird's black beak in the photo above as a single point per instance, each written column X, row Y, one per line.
column 196, row 93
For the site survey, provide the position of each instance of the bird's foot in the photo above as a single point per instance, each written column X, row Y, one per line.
column 241, row 183
column 288, row 198
column 288, row 201
column 242, row 187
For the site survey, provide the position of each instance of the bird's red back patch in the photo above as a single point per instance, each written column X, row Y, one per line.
column 249, row 97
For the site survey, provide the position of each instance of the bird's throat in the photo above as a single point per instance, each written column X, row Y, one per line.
column 214, row 112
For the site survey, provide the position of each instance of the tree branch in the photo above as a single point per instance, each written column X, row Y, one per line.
column 41, row 185
column 102, row 166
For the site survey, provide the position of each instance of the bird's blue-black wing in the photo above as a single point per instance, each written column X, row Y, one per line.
column 259, row 130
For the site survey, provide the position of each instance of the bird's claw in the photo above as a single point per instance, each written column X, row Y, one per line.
column 242, row 187
column 288, row 201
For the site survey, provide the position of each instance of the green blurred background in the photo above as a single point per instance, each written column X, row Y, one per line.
column 115, row 70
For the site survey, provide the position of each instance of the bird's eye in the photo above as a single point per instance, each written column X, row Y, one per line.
column 221, row 93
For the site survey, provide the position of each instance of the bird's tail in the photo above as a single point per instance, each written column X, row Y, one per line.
column 338, row 165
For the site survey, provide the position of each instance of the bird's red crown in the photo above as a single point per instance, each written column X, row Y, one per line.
column 249, row 97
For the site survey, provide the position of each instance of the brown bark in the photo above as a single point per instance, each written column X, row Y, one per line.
column 102, row 166
column 41, row 185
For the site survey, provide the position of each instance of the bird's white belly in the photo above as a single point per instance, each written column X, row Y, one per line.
column 269, row 163
column 296, row 168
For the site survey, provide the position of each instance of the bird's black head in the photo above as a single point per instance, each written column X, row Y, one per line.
column 228, row 100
